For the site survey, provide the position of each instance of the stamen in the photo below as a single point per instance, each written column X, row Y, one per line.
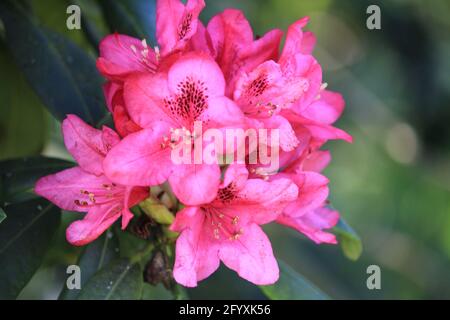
column 157, row 53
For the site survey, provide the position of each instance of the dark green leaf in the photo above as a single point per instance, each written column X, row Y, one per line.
column 131, row 17
column 18, row 176
column 157, row 292
column 350, row 242
column 61, row 73
column 22, row 124
column 97, row 255
column 2, row 215
column 292, row 286
column 120, row 280
column 24, row 239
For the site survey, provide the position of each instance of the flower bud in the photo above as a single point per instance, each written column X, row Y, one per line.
column 157, row 270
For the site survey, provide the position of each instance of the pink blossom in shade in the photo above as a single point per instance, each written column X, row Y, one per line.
column 313, row 224
column 234, row 46
column 85, row 188
column 176, row 23
column 227, row 229
column 192, row 90
column 308, row 214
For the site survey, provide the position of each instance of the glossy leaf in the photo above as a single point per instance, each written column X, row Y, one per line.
column 135, row 18
column 348, row 239
column 120, row 280
column 2, row 215
column 95, row 256
column 72, row 83
column 22, row 124
column 293, row 286
column 25, row 237
column 18, row 176
column 157, row 292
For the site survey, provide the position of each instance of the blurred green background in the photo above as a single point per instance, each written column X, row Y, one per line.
column 392, row 184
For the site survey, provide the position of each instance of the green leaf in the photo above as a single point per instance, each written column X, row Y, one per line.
column 62, row 74
column 24, row 239
column 97, row 255
column 350, row 242
column 2, row 215
column 120, row 280
column 135, row 18
column 292, row 286
column 22, row 124
column 18, row 176
column 157, row 292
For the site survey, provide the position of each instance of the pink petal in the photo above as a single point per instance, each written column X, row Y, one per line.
column 132, row 196
column 222, row 113
column 116, row 105
column 176, row 23
column 236, row 174
column 110, row 138
column 144, row 97
column 110, row 89
column 123, row 123
column 317, row 161
column 84, row 143
column 308, row 43
column 326, row 132
column 288, row 140
column 94, row 223
column 327, row 109
column 297, row 41
column 198, row 68
column 251, row 256
column 306, row 70
column 64, row 188
column 196, row 255
column 249, row 57
column 262, row 201
column 313, row 223
column 121, row 55
column 228, row 29
column 318, row 130
column 201, row 41
column 195, row 184
column 139, row 159
column 312, row 193
column 234, row 48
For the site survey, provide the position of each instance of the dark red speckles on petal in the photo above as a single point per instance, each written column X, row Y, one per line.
column 258, row 86
column 185, row 26
column 190, row 102
column 227, row 194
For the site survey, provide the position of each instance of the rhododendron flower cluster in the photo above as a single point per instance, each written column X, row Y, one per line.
column 222, row 76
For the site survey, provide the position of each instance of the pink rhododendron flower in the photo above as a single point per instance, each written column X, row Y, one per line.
column 221, row 76
column 192, row 90
column 235, row 48
column 85, row 188
column 176, row 23
column 227, row 229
